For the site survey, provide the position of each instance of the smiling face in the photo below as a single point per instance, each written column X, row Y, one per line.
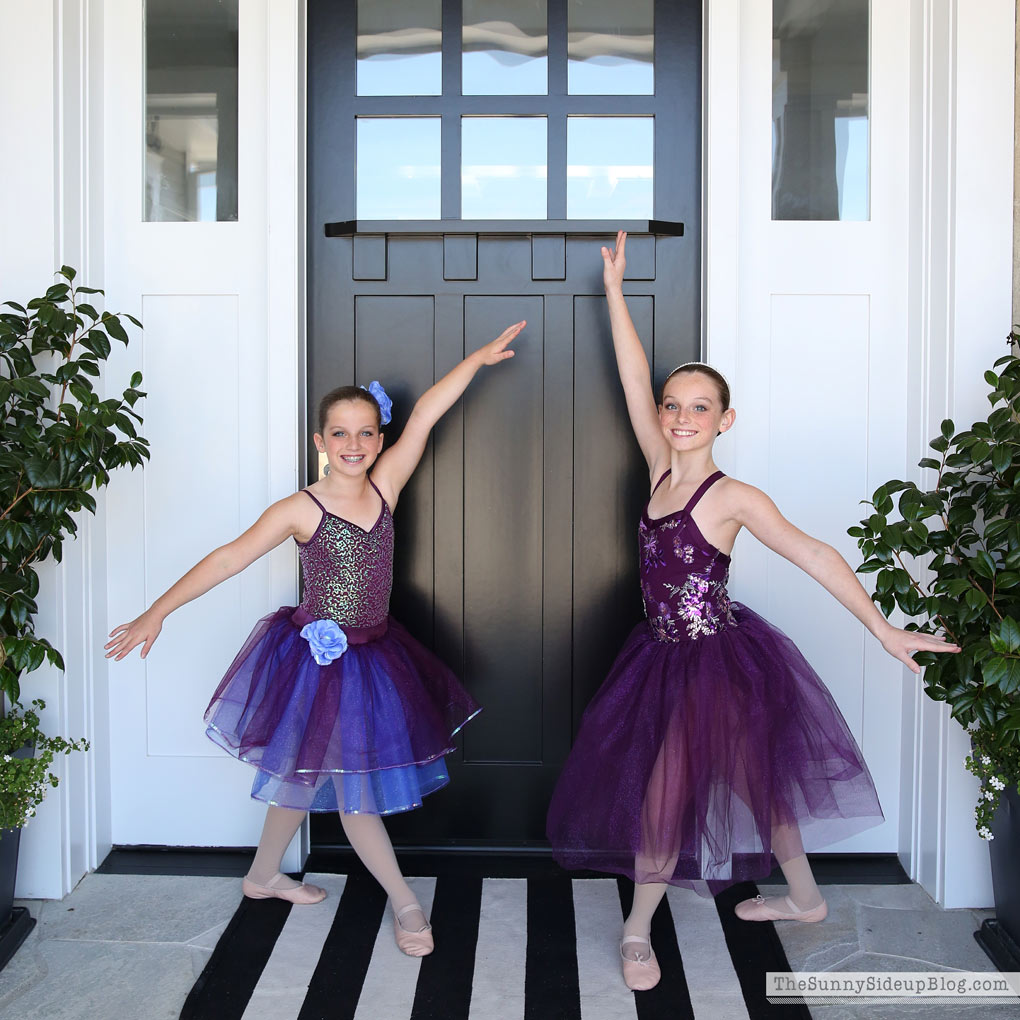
column 692, row 413
column 350, row 437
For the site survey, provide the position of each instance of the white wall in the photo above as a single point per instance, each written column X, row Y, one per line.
column 50, row 218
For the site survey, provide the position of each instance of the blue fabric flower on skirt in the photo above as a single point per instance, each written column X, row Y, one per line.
column 326, row 640
column 384, row 402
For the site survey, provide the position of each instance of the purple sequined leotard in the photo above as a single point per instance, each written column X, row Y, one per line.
column 364, row 733
column 712, row 744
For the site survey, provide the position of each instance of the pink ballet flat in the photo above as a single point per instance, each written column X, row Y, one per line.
column 640, row 975
column 756, row 910
column 412, row 943
column 299, row 894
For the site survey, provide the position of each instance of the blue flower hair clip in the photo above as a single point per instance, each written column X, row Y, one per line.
column 381, row 398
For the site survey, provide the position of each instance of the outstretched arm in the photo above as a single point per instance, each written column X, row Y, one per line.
column 274, row 526
column 631, row 361
column 760, row 516
column 397, row 464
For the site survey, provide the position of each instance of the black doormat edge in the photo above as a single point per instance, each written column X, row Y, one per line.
column 516, row 862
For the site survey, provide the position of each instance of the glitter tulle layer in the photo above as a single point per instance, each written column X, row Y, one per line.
column 367, row 733
column 698, row 760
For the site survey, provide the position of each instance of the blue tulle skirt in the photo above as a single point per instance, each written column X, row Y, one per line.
column 365, row 734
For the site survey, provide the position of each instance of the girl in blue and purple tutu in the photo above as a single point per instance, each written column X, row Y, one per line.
column 712, row 745
column 336, row 706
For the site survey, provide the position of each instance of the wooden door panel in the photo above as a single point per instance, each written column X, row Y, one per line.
column 503, row 471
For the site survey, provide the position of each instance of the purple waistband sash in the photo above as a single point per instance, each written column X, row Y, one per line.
column 355, row 635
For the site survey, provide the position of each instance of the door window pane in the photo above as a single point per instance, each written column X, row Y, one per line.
column 610, row 48
column 505, row 48
column 503, row 167
column 398, row 168
column 399, row 48
column 190, row 111
column 820, row 110
column 600, row 189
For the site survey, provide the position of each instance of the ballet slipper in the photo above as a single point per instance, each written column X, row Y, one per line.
column 640, row 975
column 412, row 943
column 299, row 894
column 758, row 910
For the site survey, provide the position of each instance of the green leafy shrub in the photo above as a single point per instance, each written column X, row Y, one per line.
column 951, row 561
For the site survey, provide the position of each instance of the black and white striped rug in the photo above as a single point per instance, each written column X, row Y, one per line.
column 507, row 949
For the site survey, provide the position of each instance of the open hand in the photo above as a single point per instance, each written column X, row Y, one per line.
column 496, row 350
column 613, row 262
column 142, row 631
column 901, row 644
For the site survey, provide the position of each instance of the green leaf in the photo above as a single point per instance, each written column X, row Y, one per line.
column 941, row 444
column 979, row 451
column 948, row 428
column 992, row 379
column 1002, row 457
column 984, row 564
column 136, row 379
column 1003, row 673
column 68, row 272
column 1009, row 634
column 975, row 598
column 114, row 328
column 42, row 473
column 929, row 462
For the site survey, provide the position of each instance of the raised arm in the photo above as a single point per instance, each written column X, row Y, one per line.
column 396, row 465
column 276, row 525
column 756, row 512
column 631, row 362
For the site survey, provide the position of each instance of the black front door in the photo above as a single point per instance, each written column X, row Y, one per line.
column 516, row 550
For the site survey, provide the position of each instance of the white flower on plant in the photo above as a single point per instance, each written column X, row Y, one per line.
column 997, row 783
column 985, row 833
column 985, row 760
column 989, row 795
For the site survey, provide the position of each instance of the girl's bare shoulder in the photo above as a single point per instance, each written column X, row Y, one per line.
column 738, row 498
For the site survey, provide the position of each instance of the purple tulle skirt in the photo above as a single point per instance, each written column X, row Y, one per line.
column 698, row 761
column 367, row 733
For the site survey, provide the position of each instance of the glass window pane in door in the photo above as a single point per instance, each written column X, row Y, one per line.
column 820, row 109
column 505, row 47
column 503, row 168
column 398, row 168
column 400, row 47
column 610, row 48
column 610, row 163
column 190, row 170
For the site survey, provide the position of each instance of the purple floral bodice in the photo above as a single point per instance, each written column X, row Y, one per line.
column 348, row 572
column 683, row 577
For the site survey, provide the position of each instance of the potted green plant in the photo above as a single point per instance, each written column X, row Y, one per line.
column 59, row 440
column 25, row 779
column 950, row 559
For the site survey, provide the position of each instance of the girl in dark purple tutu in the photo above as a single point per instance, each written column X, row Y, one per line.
column 712, row 745
column 333, row 702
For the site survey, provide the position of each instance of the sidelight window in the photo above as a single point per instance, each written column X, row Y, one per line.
column 820, row 109
column 190, row 144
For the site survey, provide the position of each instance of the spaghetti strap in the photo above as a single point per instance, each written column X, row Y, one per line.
column 702, row 489
column 378, row 493
column 315, row 501
column 661, row 480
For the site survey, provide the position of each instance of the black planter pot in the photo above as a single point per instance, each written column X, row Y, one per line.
column 1000, row 936
column 15, row 922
